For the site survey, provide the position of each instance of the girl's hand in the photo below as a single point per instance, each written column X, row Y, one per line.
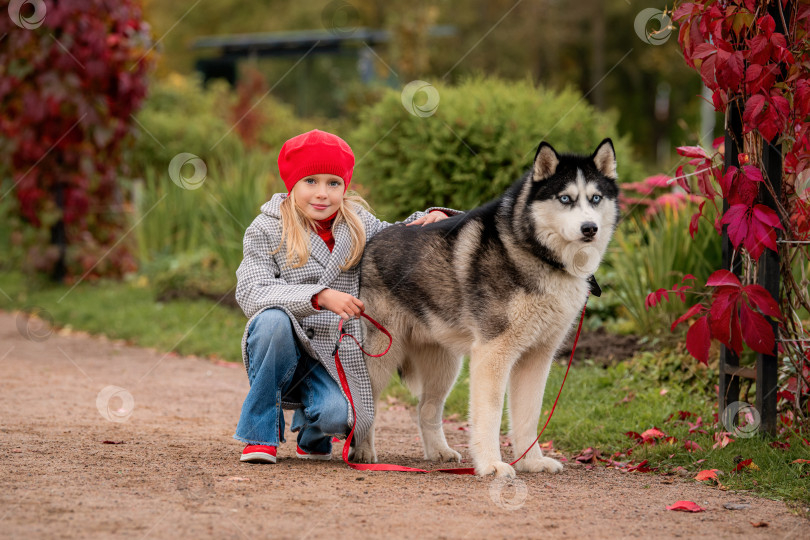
column 432, row 217
column 344, row 304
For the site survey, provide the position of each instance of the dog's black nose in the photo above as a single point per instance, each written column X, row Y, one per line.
column 589, row 229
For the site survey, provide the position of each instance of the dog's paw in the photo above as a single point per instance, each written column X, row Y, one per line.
column 364, row 454
column 498, row 468
column 443, row 454
column 543, row 464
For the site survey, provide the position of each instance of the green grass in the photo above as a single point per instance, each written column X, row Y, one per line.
column 128, row 311
column 592, row 411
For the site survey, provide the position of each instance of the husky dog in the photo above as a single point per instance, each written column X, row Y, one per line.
column 503, row 283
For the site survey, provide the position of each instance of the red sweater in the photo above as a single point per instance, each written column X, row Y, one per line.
column 324, row 230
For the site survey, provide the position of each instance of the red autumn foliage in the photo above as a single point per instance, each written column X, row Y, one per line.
column 753, row 55
column 68, row 95
column 691, row 445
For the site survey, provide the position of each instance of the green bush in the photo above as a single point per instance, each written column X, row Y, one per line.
column 201, row 274
column 675, row 367
column 482, row 137
column 181, row 115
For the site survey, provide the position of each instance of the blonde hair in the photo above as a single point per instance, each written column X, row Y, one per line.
column 296, row 224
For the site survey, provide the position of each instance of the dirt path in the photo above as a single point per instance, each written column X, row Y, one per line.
column 177, row 475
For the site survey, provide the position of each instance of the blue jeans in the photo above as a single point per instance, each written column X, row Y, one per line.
column 278, row 370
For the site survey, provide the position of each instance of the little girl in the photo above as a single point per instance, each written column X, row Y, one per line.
column 298, row 277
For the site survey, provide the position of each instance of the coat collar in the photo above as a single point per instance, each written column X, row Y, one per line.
column 318, row 250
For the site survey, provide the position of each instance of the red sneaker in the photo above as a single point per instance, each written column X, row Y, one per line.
column 311, row 455
column 259, row 453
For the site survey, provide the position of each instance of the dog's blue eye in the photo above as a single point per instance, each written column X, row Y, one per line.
column 565, row 199
column 596, row 198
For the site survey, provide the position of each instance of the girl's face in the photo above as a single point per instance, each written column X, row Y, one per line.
column 319, row 195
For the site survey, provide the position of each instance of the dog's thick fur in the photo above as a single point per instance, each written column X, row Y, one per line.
column 503, row 283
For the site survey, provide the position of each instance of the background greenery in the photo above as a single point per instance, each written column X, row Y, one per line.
column 593, row 48
column 482, row 137
column 512, row 75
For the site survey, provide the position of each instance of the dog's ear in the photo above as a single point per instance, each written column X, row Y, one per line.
column 605, row 159
column 545, row 162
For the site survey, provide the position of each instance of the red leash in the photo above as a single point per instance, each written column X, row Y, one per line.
column 401, row 468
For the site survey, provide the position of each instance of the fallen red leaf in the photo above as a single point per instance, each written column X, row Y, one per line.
column 641, row 467
column 781, row 444
column 588, row 455
column 707, row 474
column 686, row 506
column 691, row 445
column 652, row 433
column 741, row 465
column 758, row 523
column 801, row 461
column 112, row 442
column 722, row 440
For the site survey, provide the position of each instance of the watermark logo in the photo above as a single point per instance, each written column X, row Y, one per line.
column 582, row 261
column 645, row 26
column 508, row 493
column 340, row 18
column 195, row 181
column 741, row 419
column 429, row 413
column 115, row 403
column 420, row 98
column 195, row 484
column 35, row 20
column 35, row 324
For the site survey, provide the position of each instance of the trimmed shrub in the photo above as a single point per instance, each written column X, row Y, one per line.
column 481, row 138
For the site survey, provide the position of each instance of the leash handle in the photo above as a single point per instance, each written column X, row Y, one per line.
column 400, row 468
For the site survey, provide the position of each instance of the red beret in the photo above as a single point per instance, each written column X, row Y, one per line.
column 315, row 152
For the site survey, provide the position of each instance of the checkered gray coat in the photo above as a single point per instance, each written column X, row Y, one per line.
column 264, row 280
